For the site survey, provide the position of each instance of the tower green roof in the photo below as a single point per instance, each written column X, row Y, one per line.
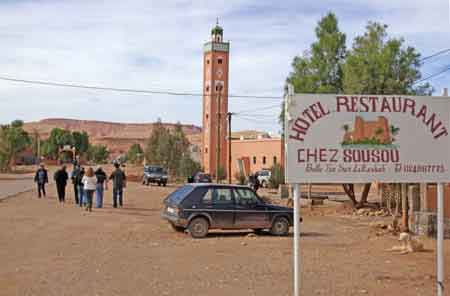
column 217, row 30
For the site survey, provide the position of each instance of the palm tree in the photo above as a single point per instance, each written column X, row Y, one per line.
column 346, row 128
column 394, row 131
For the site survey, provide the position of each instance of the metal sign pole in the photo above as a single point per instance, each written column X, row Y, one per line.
column 440, row 231
column 440, row 239
column 297, row 239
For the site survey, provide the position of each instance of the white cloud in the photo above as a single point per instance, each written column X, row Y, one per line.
column 158, row 45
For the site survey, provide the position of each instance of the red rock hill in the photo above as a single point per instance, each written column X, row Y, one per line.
column 118, row 137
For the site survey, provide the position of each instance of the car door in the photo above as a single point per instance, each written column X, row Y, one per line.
column 250, row 211
column 218, row 202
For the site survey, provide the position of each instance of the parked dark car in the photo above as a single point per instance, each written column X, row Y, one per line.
column 199, row 207
column 154, row 174
column 200, row 177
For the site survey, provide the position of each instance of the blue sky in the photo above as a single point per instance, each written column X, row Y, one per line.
column 158, row 45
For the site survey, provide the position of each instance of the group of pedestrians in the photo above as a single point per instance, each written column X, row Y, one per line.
column 85, row 184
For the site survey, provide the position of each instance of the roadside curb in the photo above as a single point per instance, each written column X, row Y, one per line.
column 19, row 192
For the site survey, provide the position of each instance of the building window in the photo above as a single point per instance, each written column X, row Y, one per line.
column 206, row 149
column 264, row 160
column 207, row 116
column 254, row 159
column 207, row 62
column 219, row 61
column 207, row 88
column 274, row 160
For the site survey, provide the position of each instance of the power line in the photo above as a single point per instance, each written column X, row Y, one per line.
column 259, row 108
column 435, row 54
column 433, row 75
column 255, row 120
column 129, row 90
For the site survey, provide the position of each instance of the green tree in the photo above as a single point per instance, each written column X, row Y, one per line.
column 81, row 142
column 188, row 166
column 98, row 153
column 58, row 138
column 156, row 150
column 276, row 176
column 320, row 69
column 13, row 139
column 380, row 65
column 168, row 148
column 135, row 154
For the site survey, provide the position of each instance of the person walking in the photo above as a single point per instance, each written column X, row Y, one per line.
column 90, row 184
column 73, row 177
column 79, row 181
column 41, row 178
column 101, row 186
column 257, row 184
column 61, row 178
column 119, row 179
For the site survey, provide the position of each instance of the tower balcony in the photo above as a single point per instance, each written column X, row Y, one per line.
column 216, row 46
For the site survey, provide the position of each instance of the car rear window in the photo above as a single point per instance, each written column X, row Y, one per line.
column 178, row 195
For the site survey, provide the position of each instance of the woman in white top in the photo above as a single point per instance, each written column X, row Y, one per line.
column 90, row 184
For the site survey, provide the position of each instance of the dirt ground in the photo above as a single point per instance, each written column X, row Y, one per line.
column 53, row 249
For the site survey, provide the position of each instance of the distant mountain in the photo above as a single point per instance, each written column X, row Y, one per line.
column 118, row 137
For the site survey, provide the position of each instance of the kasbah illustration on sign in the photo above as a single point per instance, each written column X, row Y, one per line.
column 371, row 134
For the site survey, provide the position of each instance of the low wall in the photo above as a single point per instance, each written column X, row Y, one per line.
column 432, row 199
column 425, row 223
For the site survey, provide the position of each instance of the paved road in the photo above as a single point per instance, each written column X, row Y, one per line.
column 14, row 186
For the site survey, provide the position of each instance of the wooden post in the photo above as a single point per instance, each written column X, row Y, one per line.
column 412, row 204
column 405, row 219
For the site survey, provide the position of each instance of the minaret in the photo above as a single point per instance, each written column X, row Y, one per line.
column 215, row 102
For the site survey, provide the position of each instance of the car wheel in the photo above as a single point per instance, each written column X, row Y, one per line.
column 159, row 183
column 177, row 228
column 280, row 227
column 164, row 184
column 198, row 228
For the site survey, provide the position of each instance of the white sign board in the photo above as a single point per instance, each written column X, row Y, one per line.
column 365, row 138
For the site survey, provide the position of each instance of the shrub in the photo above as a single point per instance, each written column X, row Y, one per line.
column 221, row 173
column 277, row 176
column 240, row 177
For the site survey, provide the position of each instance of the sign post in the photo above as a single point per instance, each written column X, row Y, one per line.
column 366, row 138
column 297, row 256
column 440, row 239
column 440, row 232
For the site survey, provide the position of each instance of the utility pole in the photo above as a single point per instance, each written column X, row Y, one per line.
column 229, row 146
column 39, row 149
column 218, row 133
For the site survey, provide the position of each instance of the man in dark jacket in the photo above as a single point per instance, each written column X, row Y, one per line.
column 101, row 186
column 61, row 178
column 76, row 171
column 41, row 178
column 80, row 184
column 119, row 180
